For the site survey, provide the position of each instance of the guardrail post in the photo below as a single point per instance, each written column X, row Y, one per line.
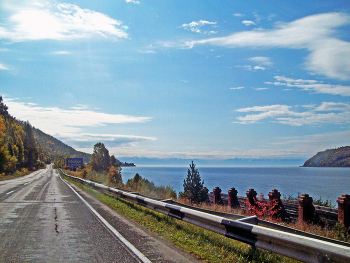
column 232, row 198
column 251, row 196
column 217, row 195
column 305, row 207
column 344, row 210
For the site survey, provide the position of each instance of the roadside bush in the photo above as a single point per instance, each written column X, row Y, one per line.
column 114, row 176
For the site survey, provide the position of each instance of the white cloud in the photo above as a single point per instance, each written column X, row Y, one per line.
column 238, row 88
column 132, row 1
column 61, row 52
column 312, row 85
column 332, row 113
column 261, row 61
column 87, row 140
column 259, row 68
column 57, row 22
column 58, row 122
column 196, row 26
column 147, row 51
column 3, row 67
column 333, row 106
column 250, row 67
column 238, row 15
column 316, row 33
column 248, row 23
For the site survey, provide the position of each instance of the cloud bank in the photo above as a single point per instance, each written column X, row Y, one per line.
column 34, row 21
column 326, row 113
column 328, row 55
column 68, row 124
column 311, row 85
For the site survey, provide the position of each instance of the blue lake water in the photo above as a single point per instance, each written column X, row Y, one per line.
column 325, row 183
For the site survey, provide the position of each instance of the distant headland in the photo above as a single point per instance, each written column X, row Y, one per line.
column 125, row 164
column 339, row 157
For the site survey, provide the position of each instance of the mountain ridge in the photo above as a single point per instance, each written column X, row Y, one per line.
column 339, row 157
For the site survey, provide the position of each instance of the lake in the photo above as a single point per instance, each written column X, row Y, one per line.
column 325, row 183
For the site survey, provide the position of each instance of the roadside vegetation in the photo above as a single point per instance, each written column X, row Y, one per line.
column 195, row 194
column 107, row 170
column 204, row 244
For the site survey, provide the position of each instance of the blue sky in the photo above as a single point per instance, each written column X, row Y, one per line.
column 181, row 79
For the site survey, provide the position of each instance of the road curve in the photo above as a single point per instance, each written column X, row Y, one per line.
column 43, row 220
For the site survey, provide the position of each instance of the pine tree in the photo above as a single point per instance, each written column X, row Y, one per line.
column 193, row 186
column 30, row 150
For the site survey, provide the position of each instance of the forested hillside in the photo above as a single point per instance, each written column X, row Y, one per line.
column 55, row 148
column 23, row 148
column 339, row 157
column 18, row 148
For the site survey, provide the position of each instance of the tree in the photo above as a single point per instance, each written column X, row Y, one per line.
column 114, row 161
column 100, row 159
column 4, row 154
column 30, row 149
column 193, row 186
column 3, row 108
column 114, row 175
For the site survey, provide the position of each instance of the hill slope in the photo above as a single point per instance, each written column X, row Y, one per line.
column 339, row 157
column 55, row 148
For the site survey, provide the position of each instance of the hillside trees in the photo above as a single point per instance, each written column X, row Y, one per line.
column 4, row 155
column 18, row 148
column 339, row 157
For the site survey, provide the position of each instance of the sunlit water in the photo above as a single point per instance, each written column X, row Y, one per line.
column 325, row 183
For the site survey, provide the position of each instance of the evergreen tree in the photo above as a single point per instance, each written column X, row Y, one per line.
column 3, row 108
column 31, row 153
column 114, row 161
column 193, row 186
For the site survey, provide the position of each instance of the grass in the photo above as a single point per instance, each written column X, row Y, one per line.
column 204, row 244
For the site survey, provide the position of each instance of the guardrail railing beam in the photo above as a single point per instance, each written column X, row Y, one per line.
column 300, row 247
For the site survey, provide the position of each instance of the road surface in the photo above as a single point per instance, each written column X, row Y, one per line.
column 42, row 219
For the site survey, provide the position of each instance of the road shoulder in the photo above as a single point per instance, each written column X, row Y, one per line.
column 156, row 248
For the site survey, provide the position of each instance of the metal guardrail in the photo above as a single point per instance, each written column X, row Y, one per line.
column 300, row 247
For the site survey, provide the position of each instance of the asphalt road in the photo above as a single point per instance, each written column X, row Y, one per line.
column 43, row 220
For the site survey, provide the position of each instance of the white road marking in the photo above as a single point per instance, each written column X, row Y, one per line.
column 142, row 257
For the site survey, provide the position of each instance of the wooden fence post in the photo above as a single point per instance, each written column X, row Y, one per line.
column 232, row 198
column 278, row 208
column 251, row 196
column 216, row 195
column 344, row 210
column 305, row 207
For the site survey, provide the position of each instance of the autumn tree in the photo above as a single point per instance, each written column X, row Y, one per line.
column 114, row 175
column 4, row 154
column 100, row 159
column 194, row 189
